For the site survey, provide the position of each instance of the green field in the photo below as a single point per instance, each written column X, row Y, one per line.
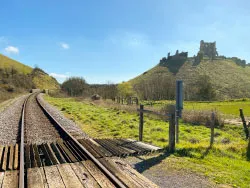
column 224, row 163
column 228, row 108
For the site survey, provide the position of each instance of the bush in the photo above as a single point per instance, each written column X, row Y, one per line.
column 202, row 118
column 75, row 86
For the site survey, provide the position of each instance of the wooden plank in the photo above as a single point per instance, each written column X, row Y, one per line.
column 112, row 167
column 5, row 154
column 131, row 145
column 35, row 178
column 98, row 148
column 37, row 156
column 107, row 147
column 48, row 160
column 73, row 150
column 1, row 178
column 1, row 155
column 149, row 146
column 53, row 177
column 33, row 157
column 16, row 157
column 11, row 157
column 27, row 156
column 102, row 180
column 10, row 179
column 68, row 176
column 145, row 145
column 123, row 150
column 113, row 145
column 127, row 144
column 67, row 152
column 84, row 176
column 89, row 148
column 78, row 150
column 65, row 156
column 133, row 174
column 44, row 178
column 58, row 154
column 120, row 144
column 51, row 154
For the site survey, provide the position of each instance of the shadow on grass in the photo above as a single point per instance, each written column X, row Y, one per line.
column 148, row 163
column 206, row 152
column 145, row 164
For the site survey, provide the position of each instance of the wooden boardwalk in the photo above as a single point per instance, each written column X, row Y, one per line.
column 85, row 174
column 59, row 164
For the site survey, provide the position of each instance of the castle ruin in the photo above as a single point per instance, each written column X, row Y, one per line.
column 208, row 49
column 178, row 56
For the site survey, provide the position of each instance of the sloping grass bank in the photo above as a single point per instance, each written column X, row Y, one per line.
column 224, row 163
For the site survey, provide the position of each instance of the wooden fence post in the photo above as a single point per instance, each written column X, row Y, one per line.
column 171, row 111
column 244, row 123
column 141, row 123
column 136, row 101
column 212, row 128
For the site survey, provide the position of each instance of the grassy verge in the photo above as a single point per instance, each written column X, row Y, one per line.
column 224, row 163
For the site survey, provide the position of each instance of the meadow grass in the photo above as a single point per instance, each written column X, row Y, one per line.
column 228, row 108
column 224, row 163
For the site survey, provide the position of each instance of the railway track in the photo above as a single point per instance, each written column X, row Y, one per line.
column 55, row 155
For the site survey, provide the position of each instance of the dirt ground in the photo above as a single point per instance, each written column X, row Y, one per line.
column 165, row 175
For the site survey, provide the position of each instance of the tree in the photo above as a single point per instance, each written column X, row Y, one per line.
column 205, row 91
column 75, row 86
column 125, row 89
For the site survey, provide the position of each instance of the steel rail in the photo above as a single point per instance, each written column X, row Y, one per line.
column 21, row 154
column 114, row 179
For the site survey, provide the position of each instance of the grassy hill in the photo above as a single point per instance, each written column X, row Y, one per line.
column 227, row 78
column 7, row 63
column 16, row 78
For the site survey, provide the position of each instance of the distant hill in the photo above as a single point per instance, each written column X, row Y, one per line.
column 221, row 78
column 16, row 77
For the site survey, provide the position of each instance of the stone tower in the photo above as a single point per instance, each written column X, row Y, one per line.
column 208, row 49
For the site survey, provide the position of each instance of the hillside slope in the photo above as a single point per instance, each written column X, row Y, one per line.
column 7, row 63
column 227, row 79
column 16, row 78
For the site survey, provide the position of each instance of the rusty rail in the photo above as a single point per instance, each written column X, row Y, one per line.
column 21, row 155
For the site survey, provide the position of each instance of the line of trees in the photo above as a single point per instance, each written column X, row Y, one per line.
column 156, row 87
column 77, row 86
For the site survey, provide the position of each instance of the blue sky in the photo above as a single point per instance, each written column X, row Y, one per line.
column 115, row 40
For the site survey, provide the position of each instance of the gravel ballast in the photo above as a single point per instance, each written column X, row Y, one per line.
column 38, row 128
column 9, row 122
column 69, row 125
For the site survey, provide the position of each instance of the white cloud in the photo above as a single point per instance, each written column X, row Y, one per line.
column 11, row 50
column 64, row 45
column 60, row 77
